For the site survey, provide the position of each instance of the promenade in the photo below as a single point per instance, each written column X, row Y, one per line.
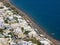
column 34, row 25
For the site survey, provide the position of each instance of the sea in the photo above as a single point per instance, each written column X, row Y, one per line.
column 46, row 13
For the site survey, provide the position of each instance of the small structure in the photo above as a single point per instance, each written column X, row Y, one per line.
column 1, row 22
column 3, row 41
column 45, row 42
column 15, row 25
column 9, row 12
column 33, row 33
column 1, row 36
column 1, row 4
column 19, row 33
column 25, row 43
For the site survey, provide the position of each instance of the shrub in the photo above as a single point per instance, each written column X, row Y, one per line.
column 1, row 7
column 34, row 41
column 26, row 32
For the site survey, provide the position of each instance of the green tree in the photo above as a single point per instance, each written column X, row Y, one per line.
column 1, row 7
column 12, row 35
column 34, row 41
column 22, row 28
column 6, row 21
column 1, row 0
column 1, row 30
column 7, row 4
column 26, row 32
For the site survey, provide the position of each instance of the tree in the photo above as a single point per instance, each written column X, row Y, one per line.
column 26, row 32
column 7, row 4
column 34, row 41
column 1, row 0
column 6, row 21
column 1, row 30
column 22, row 28
column 1, row 7
column 12, row 35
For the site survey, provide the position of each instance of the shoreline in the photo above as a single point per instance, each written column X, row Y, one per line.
column 31, row 21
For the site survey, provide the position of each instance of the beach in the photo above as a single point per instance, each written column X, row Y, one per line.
column 34, row 25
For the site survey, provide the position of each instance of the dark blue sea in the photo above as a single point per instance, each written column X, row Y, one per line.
column 45, row 12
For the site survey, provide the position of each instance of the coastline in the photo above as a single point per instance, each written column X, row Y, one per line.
column 34, row 25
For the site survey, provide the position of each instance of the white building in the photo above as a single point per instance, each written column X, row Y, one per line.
column 1, row 22
column 15, row 25
column 9, row 12
column 32, row 33
column 10, row 17
column 3, row 41
column 45, row 42
column 5, row 8
column 25, row 43
column 18, row 16
column 1, row 12
column 22, row 21
column 19, row 33
column 28, row 28
column 1, row 4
